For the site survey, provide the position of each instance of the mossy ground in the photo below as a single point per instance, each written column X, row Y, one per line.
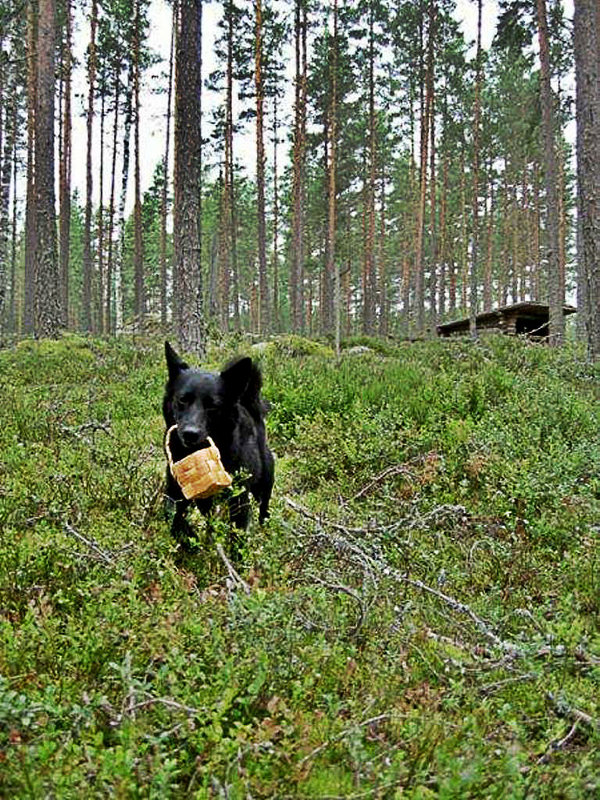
column 419, row 618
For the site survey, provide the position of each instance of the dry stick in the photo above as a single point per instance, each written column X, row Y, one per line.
column 557, row 745
column 565, row 710
column 235, row 577
column 493, row 687
column 409, row 524
column 397, row 469
column 89, row 543
column 342, row 734
column 385, row 569
column 321, row 521
column 164, row 701
column 339, row 587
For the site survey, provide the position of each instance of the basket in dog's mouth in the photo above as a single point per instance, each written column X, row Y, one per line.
column 201, row 474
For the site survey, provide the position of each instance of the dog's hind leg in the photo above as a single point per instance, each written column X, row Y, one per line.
column 239, row 510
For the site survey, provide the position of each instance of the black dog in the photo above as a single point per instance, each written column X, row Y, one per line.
column 229, row 408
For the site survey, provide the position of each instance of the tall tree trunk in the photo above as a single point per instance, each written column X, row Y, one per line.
column 369, row 299
column 536, row 234
column 165, row 186
column 123, row 197
column 139, row 305
column 557, row 322
column 464, row 268
column 276, row 310
column 101, row 276
column 109, row 326
column 432, row 175
column 443, row 234
column 12, row 321
column 298, row 156
column 474, row 276
column 420, row 251
column 224, row 251
column 383, row 277
column 30, row 214
column 587, row 67
column 487, row 279
column 562, row 228
column 188, row 306
column 332, row 314
column 47, row 305
column 87, row 229
column 64, row 179
column 265, row 304
column 7, row 146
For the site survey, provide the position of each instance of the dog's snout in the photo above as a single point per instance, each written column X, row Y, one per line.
column 192, row 437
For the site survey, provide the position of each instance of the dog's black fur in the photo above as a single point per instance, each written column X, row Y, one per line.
column 229, row 408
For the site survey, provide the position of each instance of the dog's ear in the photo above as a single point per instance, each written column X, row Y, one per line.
column 235, row 378
column 174, row 363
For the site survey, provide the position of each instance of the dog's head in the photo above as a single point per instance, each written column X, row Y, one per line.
column 200, row 403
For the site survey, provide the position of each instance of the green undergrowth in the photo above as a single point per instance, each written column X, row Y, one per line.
column 419, row 618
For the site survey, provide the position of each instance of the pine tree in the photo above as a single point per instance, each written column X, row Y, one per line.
column 187, row 278
column 557, row 324
column 586, row 31
column 87, row 241
column 47, row 301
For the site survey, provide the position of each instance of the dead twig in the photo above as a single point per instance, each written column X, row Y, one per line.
column 339, row 587
column 94, row 547
column 490, row 688
column 152, row 701
column 342, row 735
column 396, row 469
column 320, row 520
column 233, row 574
column 557, row 745
column 376, row 563
column 563, row 709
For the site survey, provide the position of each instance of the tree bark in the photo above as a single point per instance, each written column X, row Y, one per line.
column 108, row 323
column 474, row 276
column 87, row 230
column 557, row 323
column 369, row 280
column 165, row 185
column 139, row 305
column 265, row 305
column 64, row 180
column 47, row 305
column 30, row 214
column 188, row 305
column 587, row 69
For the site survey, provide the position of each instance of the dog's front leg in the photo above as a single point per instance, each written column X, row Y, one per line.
column 175, row 510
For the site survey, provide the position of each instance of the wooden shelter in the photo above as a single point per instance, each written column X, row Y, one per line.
column 528, row 318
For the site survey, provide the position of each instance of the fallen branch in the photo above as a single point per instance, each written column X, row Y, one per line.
column 494, row 687
column 557, row 745
column 397, row 469
column 563, row 709
column 384, row 569
column 343, row 734
column 320, row 520
column 233, row 575
column 152, row 701
column 339, row 587
column 102, row 555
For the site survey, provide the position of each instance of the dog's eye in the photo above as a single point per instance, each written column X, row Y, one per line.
column 184, row 401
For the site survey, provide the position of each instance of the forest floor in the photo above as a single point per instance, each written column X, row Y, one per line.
column 419, row 618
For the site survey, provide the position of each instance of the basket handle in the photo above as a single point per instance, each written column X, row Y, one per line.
column 168, row 442
column 167, row 448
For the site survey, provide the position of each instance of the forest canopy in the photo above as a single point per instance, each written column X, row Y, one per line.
column 333, row 167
